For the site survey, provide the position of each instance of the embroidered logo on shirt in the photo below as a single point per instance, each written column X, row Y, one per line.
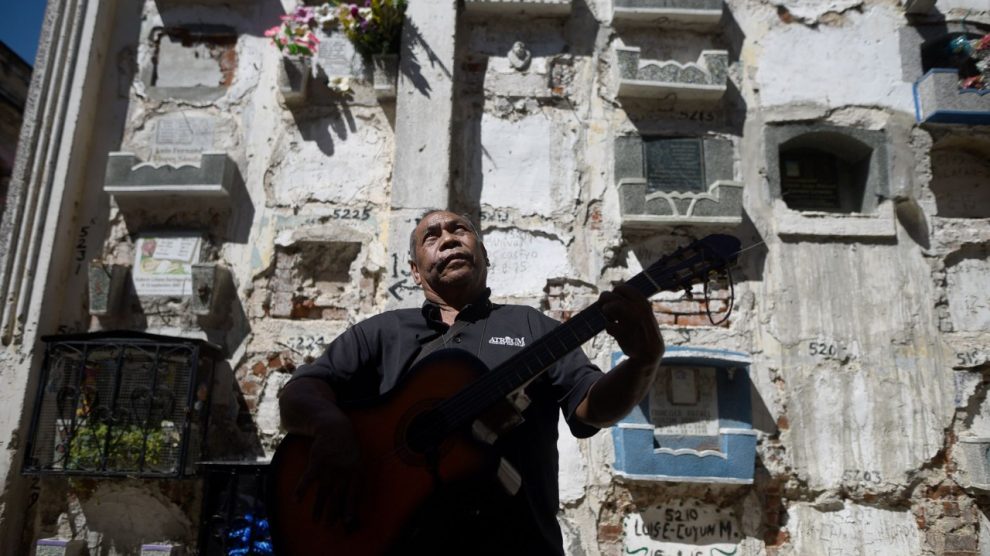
column 507, row 341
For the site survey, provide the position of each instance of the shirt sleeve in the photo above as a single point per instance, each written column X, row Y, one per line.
column 571, row 378
column 345, row 363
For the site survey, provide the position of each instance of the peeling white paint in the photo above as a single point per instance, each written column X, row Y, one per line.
column 853, row 530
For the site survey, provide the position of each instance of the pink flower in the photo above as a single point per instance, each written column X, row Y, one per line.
column 273, row 31
column 304, row 15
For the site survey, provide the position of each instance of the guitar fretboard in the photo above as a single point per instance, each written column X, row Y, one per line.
column 681, row 269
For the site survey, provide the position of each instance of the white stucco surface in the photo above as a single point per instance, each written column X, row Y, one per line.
column 522, row 262
column 515, row 163
column 854, row 530
column 853, row 64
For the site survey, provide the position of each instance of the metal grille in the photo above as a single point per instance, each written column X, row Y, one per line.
column 124, row 406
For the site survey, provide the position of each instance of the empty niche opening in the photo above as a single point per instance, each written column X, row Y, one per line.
column 311, row 278
column 325, row 266
column 959, row 181
column 826, row 172
column 194, row 56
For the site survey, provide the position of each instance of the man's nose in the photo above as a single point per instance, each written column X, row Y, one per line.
column 449, row 239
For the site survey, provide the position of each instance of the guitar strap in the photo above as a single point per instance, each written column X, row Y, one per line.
column 440, row 341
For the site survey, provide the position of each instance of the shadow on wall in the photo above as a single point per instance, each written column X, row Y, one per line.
column 325, row 118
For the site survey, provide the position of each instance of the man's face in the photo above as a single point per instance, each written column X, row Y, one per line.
column 448, row 253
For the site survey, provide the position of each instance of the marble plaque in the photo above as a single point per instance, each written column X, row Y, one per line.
column 675, row 164
column 337, row 57
column 181, row 139
column 684, row 402
column 164, row 265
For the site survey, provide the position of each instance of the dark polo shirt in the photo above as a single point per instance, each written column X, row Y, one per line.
column 370, row 358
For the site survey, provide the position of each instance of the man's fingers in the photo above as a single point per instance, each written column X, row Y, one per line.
column 322, row 493
column 354, row 491
column 307, row 479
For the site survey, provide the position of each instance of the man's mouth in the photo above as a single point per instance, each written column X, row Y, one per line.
column 449, row 259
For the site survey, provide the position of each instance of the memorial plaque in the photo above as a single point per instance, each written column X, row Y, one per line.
column 809, row 181
column 337, row 57
column 685, row 402
column 181, row 139
column 164, row 265
column 674, row 165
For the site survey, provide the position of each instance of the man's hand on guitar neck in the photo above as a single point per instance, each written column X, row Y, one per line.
column 308, row 408
column 631, row 322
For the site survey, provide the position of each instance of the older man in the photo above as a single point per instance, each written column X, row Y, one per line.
column 449, row 262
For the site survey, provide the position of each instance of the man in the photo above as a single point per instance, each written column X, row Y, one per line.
column 449, row 262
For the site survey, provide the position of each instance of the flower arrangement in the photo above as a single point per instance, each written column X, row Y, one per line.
column 374, row 28
column 977, row 52
column 294, row 36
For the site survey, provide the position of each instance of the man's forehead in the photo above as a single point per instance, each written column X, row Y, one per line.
column 439, row 218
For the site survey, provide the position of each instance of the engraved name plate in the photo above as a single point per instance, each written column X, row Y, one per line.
column 674, row 164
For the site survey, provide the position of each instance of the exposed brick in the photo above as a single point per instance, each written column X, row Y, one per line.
column 950, row 508
column 250, row 388
column 783, row 423
column 609, row 532
column 680, row 307
column 776, row 537
column 945, row 490
column 699, row 320
column 259, row 369
column 665, row 318
column 274, row 361
column 333, row 313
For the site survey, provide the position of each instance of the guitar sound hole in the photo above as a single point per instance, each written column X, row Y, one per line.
column 426, row 431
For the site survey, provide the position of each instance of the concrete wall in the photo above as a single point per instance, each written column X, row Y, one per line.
column 864, row 332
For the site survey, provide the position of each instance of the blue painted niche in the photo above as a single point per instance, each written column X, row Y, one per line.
column 699, row 430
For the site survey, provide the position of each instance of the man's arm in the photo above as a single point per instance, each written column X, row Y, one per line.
column 308, row 407
column 631, row 322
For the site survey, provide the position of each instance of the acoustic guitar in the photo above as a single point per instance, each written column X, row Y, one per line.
column 419, row 435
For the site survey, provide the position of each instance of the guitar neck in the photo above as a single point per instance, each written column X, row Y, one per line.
column 679, row 270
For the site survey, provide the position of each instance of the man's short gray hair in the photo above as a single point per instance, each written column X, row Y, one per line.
column 412, row 234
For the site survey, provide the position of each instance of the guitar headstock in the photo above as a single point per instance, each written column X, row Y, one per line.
column 691, row 264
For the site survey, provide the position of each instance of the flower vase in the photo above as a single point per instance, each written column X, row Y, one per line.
column 293, row 79
column 385, row 74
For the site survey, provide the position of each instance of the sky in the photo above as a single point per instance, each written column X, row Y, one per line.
column 20, row 26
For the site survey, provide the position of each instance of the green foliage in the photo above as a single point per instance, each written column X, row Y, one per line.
column 375, row 27
column 124, row 450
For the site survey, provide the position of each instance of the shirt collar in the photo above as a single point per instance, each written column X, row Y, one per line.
column 472, row 311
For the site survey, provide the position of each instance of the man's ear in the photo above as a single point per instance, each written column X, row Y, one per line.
column 484, row 252
column 414, row 270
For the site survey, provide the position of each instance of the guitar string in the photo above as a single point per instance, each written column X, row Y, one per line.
column 462, row 407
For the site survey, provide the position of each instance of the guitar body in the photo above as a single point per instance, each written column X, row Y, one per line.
column 397, row 479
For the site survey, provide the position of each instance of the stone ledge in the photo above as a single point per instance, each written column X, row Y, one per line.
column 128, row 177
column 667, row 13
column 796, row 224
column 704, row 80
column 559, row 8
column 938, row 99
column 720, row 205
